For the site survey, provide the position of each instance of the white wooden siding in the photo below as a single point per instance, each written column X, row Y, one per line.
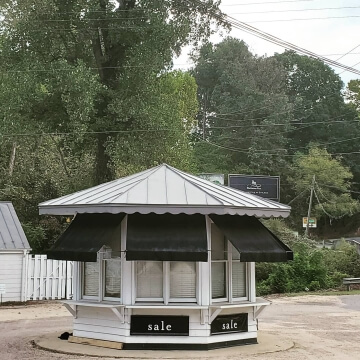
column 11, row 274
column 101, row 323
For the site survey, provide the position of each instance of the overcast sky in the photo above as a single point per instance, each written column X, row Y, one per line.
column 337, row 34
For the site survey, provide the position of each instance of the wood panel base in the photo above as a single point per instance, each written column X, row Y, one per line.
column 95, row 342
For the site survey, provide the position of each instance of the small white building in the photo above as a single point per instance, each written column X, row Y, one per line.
column 166, row 260
column 14, row 249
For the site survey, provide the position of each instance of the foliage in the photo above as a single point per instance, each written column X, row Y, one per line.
column 315, row 91
column 87, row 95
column 344, row 260
column 332, row 183
column 241, row 98
column 312, row 269
column 353, row 93
column 94, row 67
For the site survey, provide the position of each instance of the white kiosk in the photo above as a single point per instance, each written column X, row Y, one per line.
column 166, row 260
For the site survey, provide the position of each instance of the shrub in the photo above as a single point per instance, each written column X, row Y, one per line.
column 312, row 268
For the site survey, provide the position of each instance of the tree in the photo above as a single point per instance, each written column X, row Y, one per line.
column 86, row 95
column 244, row 111
column 95, row 64
column 332, row 184
column 353, row 93
column 320, row 112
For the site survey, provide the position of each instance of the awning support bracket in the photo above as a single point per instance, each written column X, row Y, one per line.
column 72, row 310
column 119, row 314
column 257, row 311
column 214, row 314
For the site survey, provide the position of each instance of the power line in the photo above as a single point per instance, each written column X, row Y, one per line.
column 343, row 55
column 296, row 10
column 83, row 132
column 261, row 151
column 275, row 40
column 297, row 196
column 344, row 191
column 303, row 19
column 75, row 68
column 279, row 124
column 323, row 209
column 266, row 2
column 110, row 18
column 298, row 148
column 348, row 53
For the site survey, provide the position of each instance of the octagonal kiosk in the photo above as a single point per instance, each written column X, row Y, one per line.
column 166, row 260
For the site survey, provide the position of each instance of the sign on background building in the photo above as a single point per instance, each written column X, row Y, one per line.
column 215, row 178
column 267, row 187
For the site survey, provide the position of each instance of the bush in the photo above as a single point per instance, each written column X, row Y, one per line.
column 312, row 268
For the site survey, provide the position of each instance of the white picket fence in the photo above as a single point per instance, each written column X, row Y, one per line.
column 49, row 279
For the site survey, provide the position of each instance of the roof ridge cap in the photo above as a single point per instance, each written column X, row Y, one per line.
column 179, row 172
column 155, row 168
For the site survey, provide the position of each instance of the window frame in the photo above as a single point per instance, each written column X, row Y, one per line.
column 228, row 249
column 102, row 282
column 166, row 299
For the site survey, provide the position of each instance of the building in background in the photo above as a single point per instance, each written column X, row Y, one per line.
column 14, row 249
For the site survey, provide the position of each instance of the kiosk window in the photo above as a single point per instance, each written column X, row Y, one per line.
column 112, row 269
column 91, row 279
column 238, row 274
column 168, row 281
column 182, row 280
column 102, row 279
column 149, row 279
column 228, row 274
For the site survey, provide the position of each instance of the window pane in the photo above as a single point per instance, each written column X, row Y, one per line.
column 218, row 279
column 91, row 278
column 149, row 276
column 112, row 278
column 218, row 244
column 238, row 279
column 182, row 280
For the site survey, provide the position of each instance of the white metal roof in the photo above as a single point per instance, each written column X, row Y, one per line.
column 12, row 236
column 163, row 189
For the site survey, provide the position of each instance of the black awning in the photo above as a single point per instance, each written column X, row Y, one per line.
column 166, row 237
column 86, row 235
column 252, row 239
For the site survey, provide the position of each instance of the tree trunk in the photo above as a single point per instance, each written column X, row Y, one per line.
column 103, row 169
column 62, row 158
column 12, row 159
column 108, row 59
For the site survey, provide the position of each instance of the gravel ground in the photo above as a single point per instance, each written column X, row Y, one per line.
column 322, row 327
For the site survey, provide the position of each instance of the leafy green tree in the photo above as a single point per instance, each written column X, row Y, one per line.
column 244, row 111
column 315, row 92
column 332, row 184
column 90, row 80
column 95, row 64
column 320, row 112
column 353, row 93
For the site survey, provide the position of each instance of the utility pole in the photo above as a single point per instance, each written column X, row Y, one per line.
column 204, row 116
column 310, row 204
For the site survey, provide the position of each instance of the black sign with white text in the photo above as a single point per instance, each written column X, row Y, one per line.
column 159, row 325
column 267, row 187
column 229, row 324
